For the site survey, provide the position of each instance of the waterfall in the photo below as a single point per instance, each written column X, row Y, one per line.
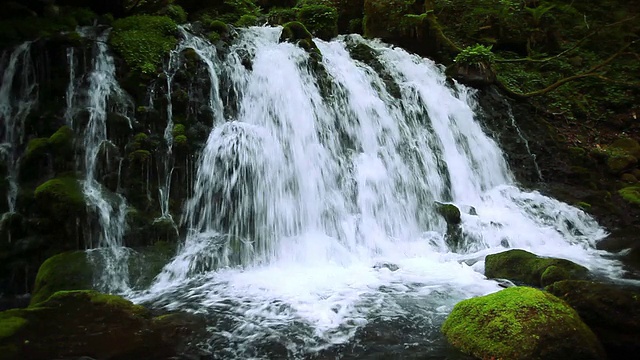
column 18, row 97
column 314, row 209
column 104, row 94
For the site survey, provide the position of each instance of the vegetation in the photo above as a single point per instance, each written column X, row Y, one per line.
column 144, row 41
column 520, row 323
column 66, row 271
column 477, row 55
column 527, row 268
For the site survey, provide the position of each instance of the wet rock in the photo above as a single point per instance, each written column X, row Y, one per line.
column 391, row 267
column 86, row 323
column 66, row 271
column 520, row 323
column 612, row 312
column 529, row 269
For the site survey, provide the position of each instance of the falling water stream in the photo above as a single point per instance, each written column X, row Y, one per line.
column 104, row 94
column 314, row 207
column 18, row 97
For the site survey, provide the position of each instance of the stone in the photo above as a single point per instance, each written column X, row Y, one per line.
column 611, row 311
column 520, row 323
column 526, row 268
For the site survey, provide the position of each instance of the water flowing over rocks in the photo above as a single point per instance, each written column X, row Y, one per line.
column 307, row 195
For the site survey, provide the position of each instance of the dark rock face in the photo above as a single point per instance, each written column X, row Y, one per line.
column 612, row 312
column 87, row 323
column 526, row 268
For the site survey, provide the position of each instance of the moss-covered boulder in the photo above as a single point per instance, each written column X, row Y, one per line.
column 520, row 323
column 295, row 32
column 66, row 271
column 529, row 269
column 612, row 312
column 144, row 41
column 60, row 198
column 72, row 324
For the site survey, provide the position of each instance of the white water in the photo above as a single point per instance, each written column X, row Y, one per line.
column 300, row 196
column 104, row 94
column 18, row 97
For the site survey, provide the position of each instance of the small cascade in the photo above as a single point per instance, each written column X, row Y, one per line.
column 208, row 54
column 315, row 207
column 18, row 98
column 104, row 94
column 70, row 94
column 525, row 141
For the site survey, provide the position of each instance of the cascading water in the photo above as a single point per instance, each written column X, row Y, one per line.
column 314, row 209
column 18, row 97
column 104, row 93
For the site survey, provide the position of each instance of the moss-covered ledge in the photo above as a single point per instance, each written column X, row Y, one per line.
column 71, row 324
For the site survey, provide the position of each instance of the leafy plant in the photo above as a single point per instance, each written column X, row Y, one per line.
column 475, row 55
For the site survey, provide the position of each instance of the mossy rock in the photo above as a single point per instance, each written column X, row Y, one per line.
column 73, row 324
column 621, row 162
column 450, row 212
column 526, row 268
column 60, row 198
column 611, row 311
column 66, row 271
column 144, row 41
column 631, row 194
column 627, row 145
column 520, row 323
column 294, row 31
column 149, row 261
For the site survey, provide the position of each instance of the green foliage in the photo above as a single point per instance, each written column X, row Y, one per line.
column 178, row 129
column 475, row 55
column 180, row 141
column 175, row 13
column 631, row 194
column 321, row 20
column 216, row 25
column 143, row 41
column 278, row 16
column 517, row 323
column 246, row 21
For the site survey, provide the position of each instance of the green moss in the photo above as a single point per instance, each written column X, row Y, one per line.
column 66, row 271
column 278, row 16
column 180, row 141
column 228, row 11
column 175, row 12
column 584, row 205
column 36, row 147
column 62, row 140
column 619, row 163
column 246, row 21
column 9, row 325
column 450, row 212
column 321, row 20
column 60, row 197
column 631, row 194
column 217, row 26
column 178, row 129
column 213, row 37
column 520, row 323
column 139, row 156
column 95, row 298
column 144, row 41
column 527, row 268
